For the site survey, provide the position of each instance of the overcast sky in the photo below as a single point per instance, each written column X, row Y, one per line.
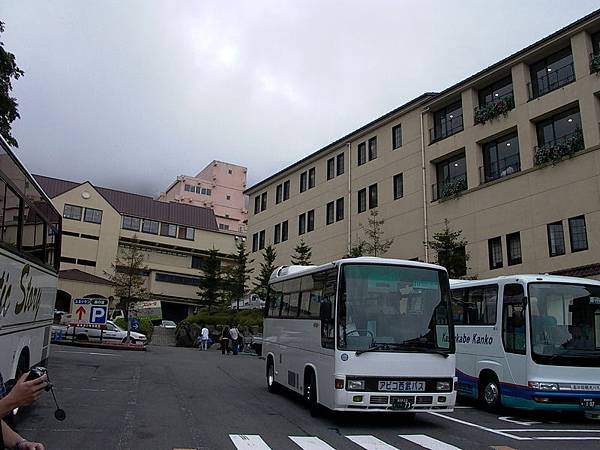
column 129, row 94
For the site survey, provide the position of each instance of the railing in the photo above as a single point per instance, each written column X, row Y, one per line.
column 554, row 151
column 494, row 109
column 552, row 81
column 498, row 169
column 445, row 128
column 595, row 63
column 450, row 187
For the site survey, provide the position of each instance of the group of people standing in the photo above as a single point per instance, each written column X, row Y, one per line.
column 231, row 340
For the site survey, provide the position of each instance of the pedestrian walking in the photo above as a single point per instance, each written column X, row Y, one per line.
column 225, row 337
column 204, row 338
column 235, row 336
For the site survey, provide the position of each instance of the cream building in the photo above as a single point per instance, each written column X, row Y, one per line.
column 97, row 222
column 510, row 156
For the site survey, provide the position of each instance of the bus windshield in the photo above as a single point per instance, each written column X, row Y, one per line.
column 393, row 308
column 565, row 323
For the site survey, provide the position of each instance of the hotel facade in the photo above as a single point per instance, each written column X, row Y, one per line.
column 510, row 156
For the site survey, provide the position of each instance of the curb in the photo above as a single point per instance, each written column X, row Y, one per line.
column 132, row 347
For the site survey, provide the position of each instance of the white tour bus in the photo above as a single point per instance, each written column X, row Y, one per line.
column 29, row 258
column 528, row 341
column 362, row 334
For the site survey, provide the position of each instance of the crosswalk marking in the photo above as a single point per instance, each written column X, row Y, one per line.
column 248, row 441
column 311, row 443
column 371, row 443
column 428, row 442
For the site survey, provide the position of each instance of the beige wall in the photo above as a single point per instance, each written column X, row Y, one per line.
column 524, row 202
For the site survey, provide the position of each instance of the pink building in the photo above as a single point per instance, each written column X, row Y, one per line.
column 219, row 186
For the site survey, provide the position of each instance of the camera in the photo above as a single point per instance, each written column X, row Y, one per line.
column 37, row 372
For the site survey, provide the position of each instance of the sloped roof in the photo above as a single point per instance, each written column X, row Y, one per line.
column 79, row 275
column 581, row 271
column 138, row 205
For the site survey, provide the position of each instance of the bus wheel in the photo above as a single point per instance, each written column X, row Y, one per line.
column 489, row 393
column 310, row 394
column 271, row 383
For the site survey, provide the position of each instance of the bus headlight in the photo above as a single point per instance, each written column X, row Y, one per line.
column 543, row 386
column 356, row 385
column 443, row 386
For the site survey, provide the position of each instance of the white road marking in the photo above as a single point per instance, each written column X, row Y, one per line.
column 480, row 427
column 248, row 441
column 462, row 407
column 85, row 353
column 428, row 442
column 371, row 443
column 311, row 443
column 544, row 430
column 517, row 421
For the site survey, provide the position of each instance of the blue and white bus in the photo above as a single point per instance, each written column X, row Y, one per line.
column 529, row 341
column 362, row 334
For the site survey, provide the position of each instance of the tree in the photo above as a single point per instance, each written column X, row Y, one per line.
column 357, row 250
column 261, row 285
column 450, row 248
column 211, row 281
column 375, row 244
column 238, row 275
column 302, row 254
column 9, row 110
column 128, row 279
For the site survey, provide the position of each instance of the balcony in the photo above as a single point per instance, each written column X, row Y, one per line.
column 446, row 128
column 556, row 150
column 449, row 188
column 595, row 63
column 499, row 169
column 551, row 81
column 494, row 109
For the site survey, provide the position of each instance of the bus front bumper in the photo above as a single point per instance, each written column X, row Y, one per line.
column 396, row 402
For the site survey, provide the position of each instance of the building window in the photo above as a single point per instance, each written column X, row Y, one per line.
column 278, row 194
column 228, row 197
column 92, row 215
column 86, row 262
column 513, row 248
column 229, row 171
column 556, row 239
column 224, row 227
column 495, row 252
column 559, row 134
column 499, row 90
column 551, row 73
column 72, row 212
column 311, row 178
column 284, row 231
column 362, row 153
column 68, row 260
column 131, row 223
column 396, row 137
column 447, row 121
column 257, row 204
column 261, row 240
column 339, row 209
column 255, row 242
column 186, row 233
column 150, row 226
column 578, row 234
column 302, row 224
column 263, row 201
column 596, row 43
column 398, row 186
column 373, row 148
column 362, row 200
column 286, row 190
column 189, row 188
column 340, row 164
column 310, row 220
column 330, row 168
column 329, row 217
column 373, row 196
column 199, row 262
column 500, row 158
column 168, row 229
column 177, row 279
column 303, row 181
column 451, row 177
column 277, row 234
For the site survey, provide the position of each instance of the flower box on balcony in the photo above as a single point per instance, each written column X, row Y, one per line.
column 595, row 64
column 494, row 109
column 555, row 151
column 453, row 188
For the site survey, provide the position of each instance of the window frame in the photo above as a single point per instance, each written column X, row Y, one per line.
column 301, row 224
column 310, row 221
column 339, row 165
column 361, row 153
column 132, row 218
column 362, row 200
column 339, row 209
column 284, row 231
column 398, row 188
column 167, row 226
column 397, row 136
column 330, row 169
column 72, row 207
column 372, row 146
column 303, row 181
column 571, row 240
column 279, row 194
column 373, row 196
column 286, row 190
column 93, row 210
column 495, row 250
column 549, row 234
column 312, row 177
column 511, row 259
column 277, row 233
column 152, row 222
column 330, row 213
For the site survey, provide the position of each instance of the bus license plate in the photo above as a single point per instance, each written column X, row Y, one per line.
column 402, row 402
column 402, row 386
column 588, row 402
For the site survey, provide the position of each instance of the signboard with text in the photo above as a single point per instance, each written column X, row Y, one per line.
column 90, row 310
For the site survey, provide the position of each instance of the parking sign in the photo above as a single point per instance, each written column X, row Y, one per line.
column 98, row 314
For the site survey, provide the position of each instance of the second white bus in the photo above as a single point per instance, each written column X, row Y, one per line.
column 529, row 341
column 362, row 334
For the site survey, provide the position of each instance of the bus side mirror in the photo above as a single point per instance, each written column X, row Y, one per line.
column 325, row 310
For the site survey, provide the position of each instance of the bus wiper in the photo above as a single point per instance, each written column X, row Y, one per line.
column 419, row 349
column 375, row 346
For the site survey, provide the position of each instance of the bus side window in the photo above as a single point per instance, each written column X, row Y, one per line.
column 458, row 307
column 275, row 299
column 513, row 319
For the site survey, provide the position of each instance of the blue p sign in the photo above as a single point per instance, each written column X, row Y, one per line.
column 98, row 314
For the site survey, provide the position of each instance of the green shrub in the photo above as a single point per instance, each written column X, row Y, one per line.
column 146, row 326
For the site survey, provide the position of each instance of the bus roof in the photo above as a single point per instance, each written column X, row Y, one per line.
column 527, row 278
column 289, row 272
